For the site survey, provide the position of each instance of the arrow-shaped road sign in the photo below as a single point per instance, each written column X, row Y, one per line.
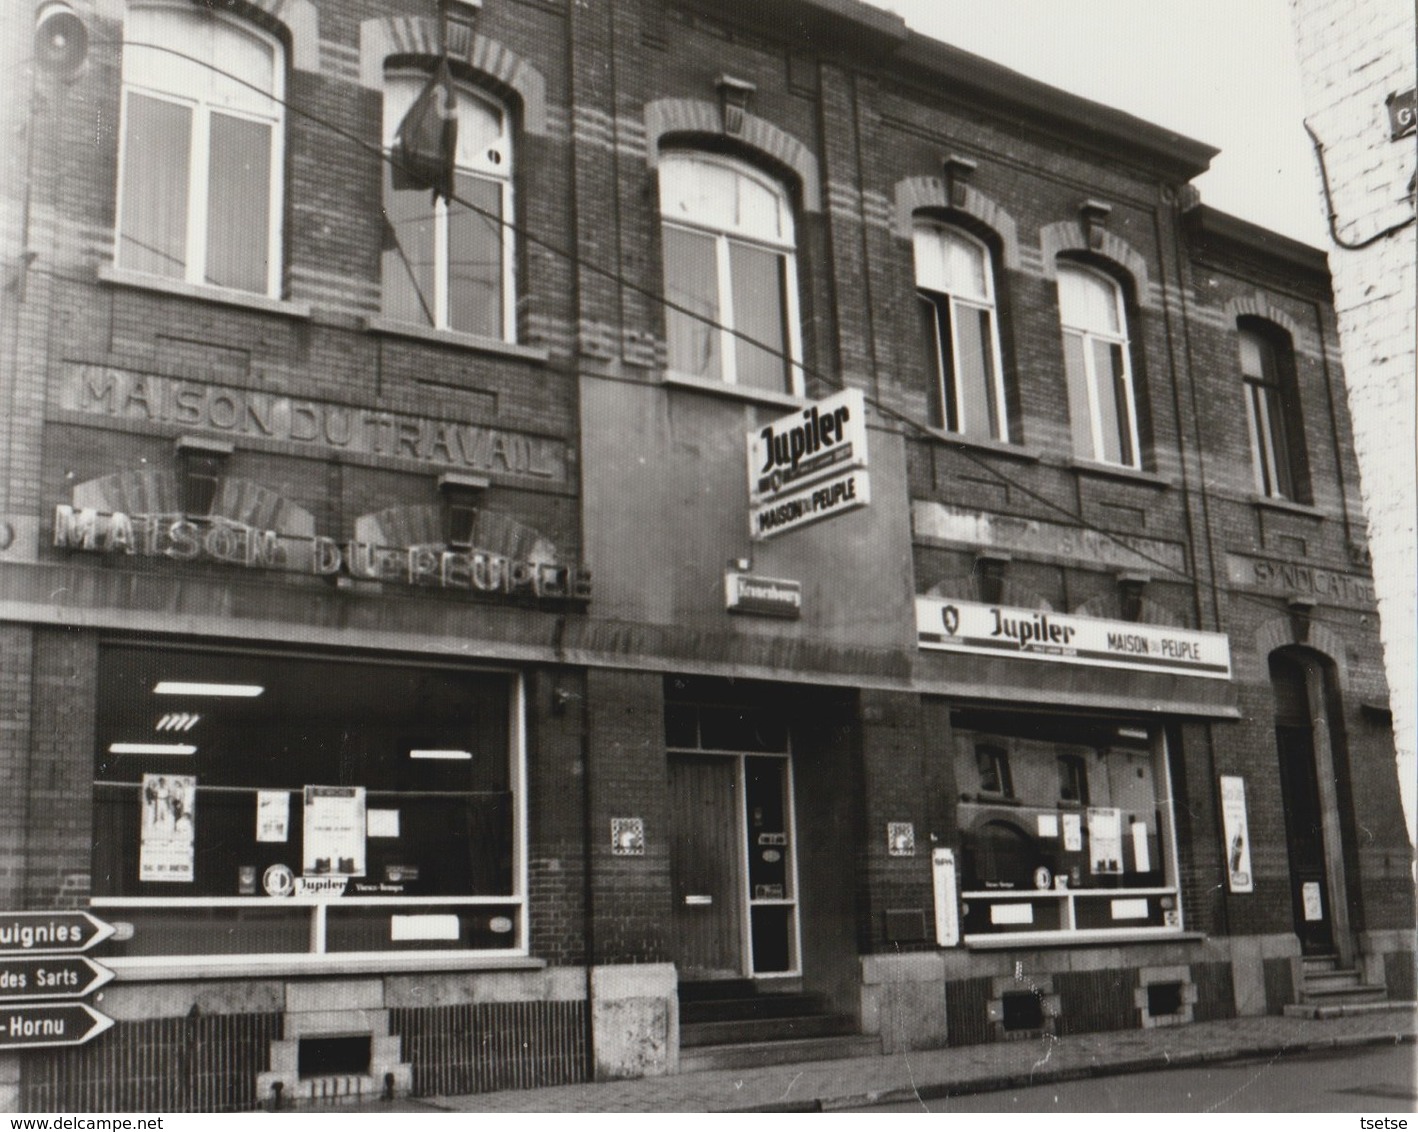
column 35, row 933
column 54, row 976
column 31, row 1025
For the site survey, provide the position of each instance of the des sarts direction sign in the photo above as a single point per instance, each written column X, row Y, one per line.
column 808, row 465
column 53, row 976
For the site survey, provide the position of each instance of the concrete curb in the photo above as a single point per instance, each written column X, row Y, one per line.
column 1147, row 1064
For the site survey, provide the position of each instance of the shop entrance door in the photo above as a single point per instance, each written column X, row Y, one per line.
column 732, row 866
column 705, row 866
column 1304, row 836
column 1305, row 744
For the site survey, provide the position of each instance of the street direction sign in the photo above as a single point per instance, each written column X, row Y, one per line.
column 53, row 976
column 34, row 933
column 31, row 1025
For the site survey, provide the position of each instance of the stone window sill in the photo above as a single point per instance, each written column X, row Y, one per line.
column 980, row 444
column 1119, row 472
column 1287, row 506
column 735, row 392
column 122, row 277
column 456, row 338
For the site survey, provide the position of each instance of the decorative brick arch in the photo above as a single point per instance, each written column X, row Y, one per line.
column 418, row 35
column 666, row 116
column 299, row 19
column 912, row 194
column 1068, row 236
column 1258, row 306
column 1279, row 633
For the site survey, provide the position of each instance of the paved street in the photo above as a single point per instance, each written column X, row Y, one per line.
column 1367, row 1079
column 1226, row 1062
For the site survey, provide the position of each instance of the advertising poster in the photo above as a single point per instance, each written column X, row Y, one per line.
column 334, row 831
column 1233, row 829
column 1105, row 840
column 166, row 830
column 272, row 815
column 1072, row 833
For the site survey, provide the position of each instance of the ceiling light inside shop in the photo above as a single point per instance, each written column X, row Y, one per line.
column 439, row 754
column 151, row 749
column 185, row 688
column 1131, row 733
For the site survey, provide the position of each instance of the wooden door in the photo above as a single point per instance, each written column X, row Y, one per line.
column 1304, row 834
column 705, row 866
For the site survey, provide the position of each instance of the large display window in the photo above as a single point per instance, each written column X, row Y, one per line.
column 1065, row 827
column 257, row 804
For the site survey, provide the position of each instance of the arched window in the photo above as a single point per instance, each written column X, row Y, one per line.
column 1272, row 412
column 955, row 287
column 1102, row 408
column 731, row 271
column 199, row 192
column 449, row 264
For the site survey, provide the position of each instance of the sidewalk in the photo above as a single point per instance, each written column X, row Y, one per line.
column 927, row 1074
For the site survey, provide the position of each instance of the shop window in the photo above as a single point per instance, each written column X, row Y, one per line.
column 730, row 273
column 248, row 803
column 1078, row 840
column 1272, row 412
column 1102, row 404
column 449, row 264
column 200, row 183
column 955, row 291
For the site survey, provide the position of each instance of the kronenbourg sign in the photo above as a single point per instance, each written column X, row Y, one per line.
column 808, row 465
column 994, row 630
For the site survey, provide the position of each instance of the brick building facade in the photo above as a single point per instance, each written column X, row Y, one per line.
column 392, row 646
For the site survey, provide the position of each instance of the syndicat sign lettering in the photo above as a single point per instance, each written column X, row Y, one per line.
column 964, row 626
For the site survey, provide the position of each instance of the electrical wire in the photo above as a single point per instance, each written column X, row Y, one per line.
column 659, row 298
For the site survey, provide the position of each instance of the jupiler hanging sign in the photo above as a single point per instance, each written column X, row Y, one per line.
column 808, row 465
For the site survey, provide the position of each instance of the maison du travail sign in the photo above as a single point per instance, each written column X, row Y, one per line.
column 254, row 414
column 992, row 630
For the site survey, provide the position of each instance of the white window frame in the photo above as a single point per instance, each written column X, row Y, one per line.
column 948, row 382
column 500, row 172
column 1088, row 335
column 1271, row 458
column 723, row 235
column 195, row 268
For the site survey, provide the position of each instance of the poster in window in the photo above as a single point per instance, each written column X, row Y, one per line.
column 1238, row 838
column 169, row 804
column 272, row 815
column 1105, row 840
column 334, row 831
column 1072, row 833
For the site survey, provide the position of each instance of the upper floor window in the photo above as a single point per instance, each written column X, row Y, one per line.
column 955, row 286
column 1266, row 374
column 1101, row 406
column 449, row 264
column 730, row 270
column 199, row 194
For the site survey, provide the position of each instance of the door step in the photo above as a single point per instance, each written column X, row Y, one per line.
column 1328, row 990
column 1319, row 1010
column 748, row 1055
column 758, row 1031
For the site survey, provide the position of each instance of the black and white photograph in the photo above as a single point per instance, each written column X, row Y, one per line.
column 693, row 556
